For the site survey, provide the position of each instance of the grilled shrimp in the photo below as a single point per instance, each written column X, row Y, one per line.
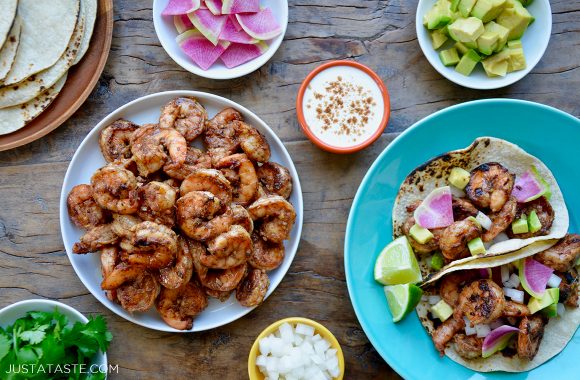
column 277, row 217
column 445, row 332
column 530, row 336
column 195, row 211
column 482, row 301
column 569, row 288
column 194, row 159
column 218, row 280
column 252, row 142
column 115, row 140
column 156, row 245
column 501, row 220
column 246, row 186
column 252, row 290
column 157, row 203
column 220, row 136
column 136, row 288
column 221, row 296
column 178, row 306
column 561, row 257
column 490, row 186
column 430, row 246
column 109, row 259
column 453, row 240
column 186, row 115
column 115, row 189
column 275, row 179
column 468, row 346
column 180, row 272
column 148, row 145
column 462, row 208
column 82, row 208
column 95, row 239
column 514, row 309
column 228, row 250
column 208, row 180
column 545, row 213
column 452, row 284
column 266, row 255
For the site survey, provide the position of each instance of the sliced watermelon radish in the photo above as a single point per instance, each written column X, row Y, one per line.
column 238, row 54
column 436, row 210
column 203, row 52
column 180, row 7
column 534, row 276
column 240, row 6
column 261, row 25
column 234, row 21
column 528, row 187
column 229, row 33
column 215, row 6
column 208, row 24
column 182, row 23
column 497, row 340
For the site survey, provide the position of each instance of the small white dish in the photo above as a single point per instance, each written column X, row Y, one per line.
column 88, row 158
column 535, row 41
column 10, row 313
column 166, row 34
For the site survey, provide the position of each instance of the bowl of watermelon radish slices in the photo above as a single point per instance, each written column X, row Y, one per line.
column 220, row 39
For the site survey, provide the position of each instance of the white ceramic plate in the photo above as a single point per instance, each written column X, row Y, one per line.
column 11, row 313
column 166, row 33
column 88, row 158
column 535, row 42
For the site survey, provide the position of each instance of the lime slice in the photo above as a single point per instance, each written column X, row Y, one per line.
column 397, row 264
column 402, row 299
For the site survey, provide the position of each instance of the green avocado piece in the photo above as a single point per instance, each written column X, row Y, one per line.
column 459, row 177
column 438, row 38
column 516, row 18
column 439, row 15
column 476, row 246
column 515, row 44
column 468, row 62
column 466, row 29
column 487, row 42
column 520, row 226
column 420, row 234
column 502, row 32
column 449, row 57
column 495, row 68
column 465, row 7
column 461, row 48
column 487, row 10
column 534, row 223
column 441, row 310
column 516, row 59
column 437, row 261
column 551, row 296
column 454, row 5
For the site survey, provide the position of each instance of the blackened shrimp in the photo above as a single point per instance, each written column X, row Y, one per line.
column 530, row 336
column 451, row 285
column 490, row 186
column 83, row 210
column 501, row 220
column 194, row 159
column 220, row 136
column 156, row 245
column 115, row 189
column 468, row 346
column 561, row 257
column 252, row 290
column 136, row 288
column 266, row 255
column 275, row 179
column 228, row 250
column 153, row 147
column 543, row 210
column 221, row 296
column 95, row 239
column 445, row 332
column 246, row 186
column 115, row 140
column 453, row 240
column 514, row 309
column 157, row 203
column 178, row 306
column 195, row 212
column 180, row 272
column 252, row 142
column 109, row 259
column 186, row 115
column 276, row 215
column 482, row 301
column 208, row 180
column 462, row 208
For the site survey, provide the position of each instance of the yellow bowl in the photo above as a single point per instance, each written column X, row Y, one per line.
column 253, row 369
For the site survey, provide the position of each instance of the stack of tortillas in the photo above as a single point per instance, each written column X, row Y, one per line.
column 39, row 42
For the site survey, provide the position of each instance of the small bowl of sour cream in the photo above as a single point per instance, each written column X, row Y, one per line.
column 343, row 106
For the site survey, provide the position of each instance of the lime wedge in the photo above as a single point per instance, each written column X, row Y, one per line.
column 397, row 264
column 402, row 299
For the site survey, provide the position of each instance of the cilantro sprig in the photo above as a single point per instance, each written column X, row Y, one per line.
column 43, row 345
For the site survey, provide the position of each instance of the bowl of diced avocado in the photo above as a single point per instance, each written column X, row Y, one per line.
column 484, row 44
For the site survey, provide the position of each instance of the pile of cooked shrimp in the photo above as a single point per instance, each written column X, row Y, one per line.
column 175, row 224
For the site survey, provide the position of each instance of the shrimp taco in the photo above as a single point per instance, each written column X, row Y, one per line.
column 505, row 315
column 489, row 199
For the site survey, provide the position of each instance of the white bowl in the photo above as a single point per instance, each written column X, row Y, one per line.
column 11, row 313
column 88, row 158
column 535, row 42
column 166, row 33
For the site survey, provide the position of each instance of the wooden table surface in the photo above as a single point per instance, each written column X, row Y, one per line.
column 380, row 34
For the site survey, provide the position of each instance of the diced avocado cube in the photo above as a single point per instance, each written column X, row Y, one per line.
column 516, row 19
column 487, row 10
column 534, row 224
column 437, row 262
column 459, row 177
column 476, row 247
column 502, row 32
column 487, row 42
column 420, row 234
column 449, row 57
column 471, row 45
column 454, row 5
column 439, row 15
column 497, row 64
column 461, row 48
column 438, row 38
column 465, row 7
column 551, row 311
column 468, row 62
column 550, row 297
column 466, row 29
column 515, row 44
column 520, row 226
column 442, row 310
column 516, row 59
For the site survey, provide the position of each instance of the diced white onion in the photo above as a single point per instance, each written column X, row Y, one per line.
column 434, row 299
column 457, row 192
column 554, row 281
column 502, row 236
column 515, row 280
column 561, row 309
column 483, row 220
column 505, row 273
column 482, row 330
column 468, row 329
column 303, row 329
column 514, row 294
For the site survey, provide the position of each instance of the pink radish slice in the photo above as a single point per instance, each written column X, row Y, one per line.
column 261, row 25
column 215, row 6
column 182, row 23
column 497, row 340
column 534, row 276
column 234, row 21
column 527, row 188
column 238, row 54
column 203, row 52
column 208, row 24
column 180, row 7
column 229, row 33
column 240, row 6
column 436, row 210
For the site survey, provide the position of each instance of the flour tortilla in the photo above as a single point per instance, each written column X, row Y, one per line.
column 14, row 118
column 7, row 17
column 8, row 51
column 47, row 30
column 435, row 173
column 89, row 12
column 20, row 93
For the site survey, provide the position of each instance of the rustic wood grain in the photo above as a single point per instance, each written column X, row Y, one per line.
column 380, row 34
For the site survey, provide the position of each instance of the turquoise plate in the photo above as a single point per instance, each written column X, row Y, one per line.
column 551, row 135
